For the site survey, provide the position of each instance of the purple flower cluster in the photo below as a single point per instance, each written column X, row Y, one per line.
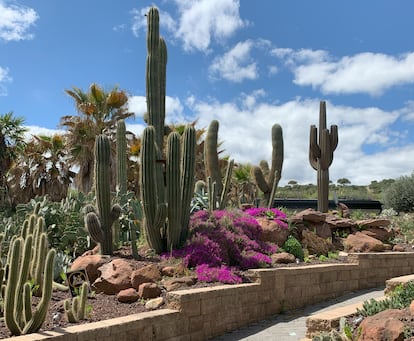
column 271, row 213
column 221, row 274
column 224, row 240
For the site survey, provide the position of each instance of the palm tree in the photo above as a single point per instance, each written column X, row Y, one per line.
column 98, row 113
column 41, row 170
column 11, row 143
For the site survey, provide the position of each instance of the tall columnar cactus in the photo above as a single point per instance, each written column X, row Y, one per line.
column 99, row 223
column 321, row 155
column 218, row 191
column 166, row 183
column 164, row 234
column 267, row 180
column 18, row 314
column 121, row 157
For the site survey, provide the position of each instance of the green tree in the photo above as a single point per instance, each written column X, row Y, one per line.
column 343, row 181
column 99, row 111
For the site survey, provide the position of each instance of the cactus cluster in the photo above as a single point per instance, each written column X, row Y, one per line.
column 75, row 308
column 99, row 222
column 167, row 181
column 217, row 191
column 321, row 149
column 267, row 180
column 29, row 266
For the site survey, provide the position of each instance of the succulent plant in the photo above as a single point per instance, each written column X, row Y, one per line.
column 99, row 222
column 267, row 180
column 321, row 149
column 75, row 308
column 18, row 314
column 166, row 184
column 218, row 191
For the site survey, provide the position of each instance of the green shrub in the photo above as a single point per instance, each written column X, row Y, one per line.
column 400, row 194
column 400, row 298
column 292, row 246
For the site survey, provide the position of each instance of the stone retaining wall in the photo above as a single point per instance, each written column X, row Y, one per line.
column 199, row 314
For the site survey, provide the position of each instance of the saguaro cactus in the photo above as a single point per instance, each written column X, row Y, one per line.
column 218, row 191
column 99, row 224
column 266, row 180
column 321, row 150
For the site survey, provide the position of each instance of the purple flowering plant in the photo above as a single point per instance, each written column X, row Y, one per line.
column 222, row 243
column 272, row 213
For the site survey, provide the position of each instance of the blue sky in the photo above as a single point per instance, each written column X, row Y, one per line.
column 247, row 63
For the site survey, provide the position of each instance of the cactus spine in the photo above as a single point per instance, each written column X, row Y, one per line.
column 218, row 191
column 321, row 155
column 166, row 184
column 266, row 180
column 99, row 224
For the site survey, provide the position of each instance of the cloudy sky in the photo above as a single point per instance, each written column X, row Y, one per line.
column 249, row 64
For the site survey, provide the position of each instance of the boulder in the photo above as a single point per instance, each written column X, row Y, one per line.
column 179, row 282
column 115, row 276
column 129, row 295
column 91, row 263
column 283, row 258
column 154, row 303
column 148, row 273
column 365, row 223
column 315, row 244
column 309, row 215
column 385, row 325
column 379, row 233
column 149, row 290
column 272, row 232
column 360, row 242
column 323, row 231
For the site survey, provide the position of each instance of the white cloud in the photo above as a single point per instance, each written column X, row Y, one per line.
column 36, row 130
column 245, row 130
column 235, row 65
column 173, row 107
column 4, row 78
column 371, row 73
column 16, row 21
column 139, row 21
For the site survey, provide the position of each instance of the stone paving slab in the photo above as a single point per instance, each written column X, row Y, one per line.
column 292, row 325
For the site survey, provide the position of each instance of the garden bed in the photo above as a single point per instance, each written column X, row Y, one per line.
column 198, row 313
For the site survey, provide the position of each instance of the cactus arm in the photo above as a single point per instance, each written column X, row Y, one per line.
column 260, row 179
column 93, row 226
column 188, row 165
column 314, row 150
column 41, row 309
column 173, row 190
column 10, row 293
column 121, row 146
column 211, row 155
column 227, row 182
column 277, row 155
column 154, row 212
column 273, row 192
